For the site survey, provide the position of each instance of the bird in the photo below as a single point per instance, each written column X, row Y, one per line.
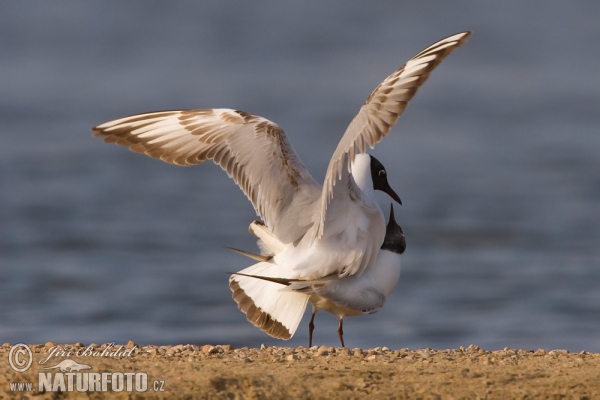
column 348, row 296
column 308, row 230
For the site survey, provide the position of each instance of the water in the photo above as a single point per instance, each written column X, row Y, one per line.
column 496, row 161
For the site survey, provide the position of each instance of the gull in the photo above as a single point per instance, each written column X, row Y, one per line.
column 310, row 230
column 344, row 297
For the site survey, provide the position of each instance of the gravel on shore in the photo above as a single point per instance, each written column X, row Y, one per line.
column 221, row 371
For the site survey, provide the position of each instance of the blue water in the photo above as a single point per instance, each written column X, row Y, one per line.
column 497, row 161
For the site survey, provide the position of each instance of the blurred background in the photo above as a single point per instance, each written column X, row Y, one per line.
column 497, row 161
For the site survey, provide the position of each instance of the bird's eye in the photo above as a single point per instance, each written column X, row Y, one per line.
column 382, row 172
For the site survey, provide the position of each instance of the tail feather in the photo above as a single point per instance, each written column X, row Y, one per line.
column 268, row 242
column 268, row 305
column 255, row 257
column 302, row 285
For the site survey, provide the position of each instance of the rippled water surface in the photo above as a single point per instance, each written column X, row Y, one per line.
column 497, row 161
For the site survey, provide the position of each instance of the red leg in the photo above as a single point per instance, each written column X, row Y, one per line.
column 341, row 332
column 311, row 328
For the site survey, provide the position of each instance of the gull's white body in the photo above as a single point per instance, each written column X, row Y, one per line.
column 280, row 308
column 364, row 294
column 347, row 245
column 265, row 294
column 314, row 231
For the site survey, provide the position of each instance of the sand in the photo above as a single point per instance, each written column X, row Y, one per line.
column 189, row 371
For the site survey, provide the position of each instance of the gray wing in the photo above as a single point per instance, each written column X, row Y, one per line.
column 382, row 109
column 254, row 151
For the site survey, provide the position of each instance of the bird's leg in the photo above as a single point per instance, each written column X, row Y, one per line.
column 311, row 328
column 341, row 332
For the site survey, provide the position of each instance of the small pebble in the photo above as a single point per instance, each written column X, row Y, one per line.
column 344, row 351
column 558, row 352
column 179, row 348
column 473, row 348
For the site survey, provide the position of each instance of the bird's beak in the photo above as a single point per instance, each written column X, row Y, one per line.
column 387, row 189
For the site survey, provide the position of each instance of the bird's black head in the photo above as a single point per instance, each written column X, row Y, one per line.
column 394, row 237
column 380, row 182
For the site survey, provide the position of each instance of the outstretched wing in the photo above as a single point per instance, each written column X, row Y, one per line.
column 254, row 151
column 382, row 109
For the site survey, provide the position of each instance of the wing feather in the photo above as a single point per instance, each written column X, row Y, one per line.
column 254, row 151
column 382, row 109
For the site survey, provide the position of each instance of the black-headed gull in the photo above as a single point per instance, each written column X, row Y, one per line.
column 312, row 231
column 344, row 297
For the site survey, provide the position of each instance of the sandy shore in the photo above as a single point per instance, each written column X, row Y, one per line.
column 188, row 371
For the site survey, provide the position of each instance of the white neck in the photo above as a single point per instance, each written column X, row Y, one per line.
column 361, row 172
column 386, row 271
